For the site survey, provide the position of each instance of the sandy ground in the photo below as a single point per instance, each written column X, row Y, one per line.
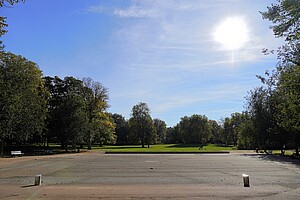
column 98, row 176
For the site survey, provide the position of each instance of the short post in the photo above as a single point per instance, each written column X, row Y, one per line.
column 38, row 180
column 246, row 180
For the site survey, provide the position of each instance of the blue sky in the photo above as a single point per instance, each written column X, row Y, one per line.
column 161, row 52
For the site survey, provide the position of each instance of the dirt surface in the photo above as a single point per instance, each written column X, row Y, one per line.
column 94, row 175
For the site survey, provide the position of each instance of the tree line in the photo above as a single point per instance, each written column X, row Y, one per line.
column 39, row 109
column 69, row 111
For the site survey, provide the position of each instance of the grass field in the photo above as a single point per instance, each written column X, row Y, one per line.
column 165, row 148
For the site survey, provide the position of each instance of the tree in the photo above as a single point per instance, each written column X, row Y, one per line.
column 122, row 128
column 161, row 129
column 289, row 106
column 141, row 125
column 246, row 133
column 283, row 96
column 285, row 17
column 194, row 129
column 215, row 132
column 258, row 110
column 227, row 131
column 22, row 99
column 67, row 120
column 171, row 135
column 106, row 129
column 96, row 100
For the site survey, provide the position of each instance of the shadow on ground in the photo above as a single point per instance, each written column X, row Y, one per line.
column 276, row 158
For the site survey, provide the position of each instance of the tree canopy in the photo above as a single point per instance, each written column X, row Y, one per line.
column 285, row 18
column 141, row 125
column 22, row 99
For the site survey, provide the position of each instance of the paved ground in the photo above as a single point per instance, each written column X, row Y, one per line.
column 190, row 176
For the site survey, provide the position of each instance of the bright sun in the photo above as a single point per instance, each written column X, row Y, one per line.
column 232, row 33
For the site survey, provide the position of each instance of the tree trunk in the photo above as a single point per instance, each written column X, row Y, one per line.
column 297, row 144
column 143, row 141
column 2, row 149
column 89, row 142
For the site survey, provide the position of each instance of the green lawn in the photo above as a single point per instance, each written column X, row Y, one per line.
column 164, row 148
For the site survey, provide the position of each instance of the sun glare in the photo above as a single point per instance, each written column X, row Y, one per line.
column 232, row 33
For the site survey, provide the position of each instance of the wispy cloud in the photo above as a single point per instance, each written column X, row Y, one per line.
column 154, row 8
column 171, row 61
column 135, row 12
column 95, row 9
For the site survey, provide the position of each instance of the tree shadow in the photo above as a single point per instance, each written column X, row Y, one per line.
column 185, row 145
column 125, row 147
column 276, row 158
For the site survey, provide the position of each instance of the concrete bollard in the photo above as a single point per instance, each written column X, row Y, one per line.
column 246, row 180
column 38, row 180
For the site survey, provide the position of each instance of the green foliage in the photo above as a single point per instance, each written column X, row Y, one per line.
column 171, row 135
column 22, row 94
column 193, row 130
column 77, row 112
column 231, row 127
column 141, row 127
column 96, row 98
column 274, row 107
column 106, row 129
column 160, row 129
column 216, row 132
column 122, row 128
column 67, row 120
column 258, row 108
column 285, row 16
column 289, row 88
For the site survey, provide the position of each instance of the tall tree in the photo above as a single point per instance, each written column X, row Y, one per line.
column 22, row 99
column 161, row 129
column 258, row 110
column 289, row 89
column 67, row 119
column 285, row 18
column 215, row 132
column 96, row 99
column 141, row 124
column 227, row 131
column 171, row 135
column 245, row 132
column 122, row 128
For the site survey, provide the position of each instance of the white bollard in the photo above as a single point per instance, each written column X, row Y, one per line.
column 246, row 180
column 38, row 180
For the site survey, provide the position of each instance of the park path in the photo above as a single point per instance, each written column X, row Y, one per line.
column 94, row 175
